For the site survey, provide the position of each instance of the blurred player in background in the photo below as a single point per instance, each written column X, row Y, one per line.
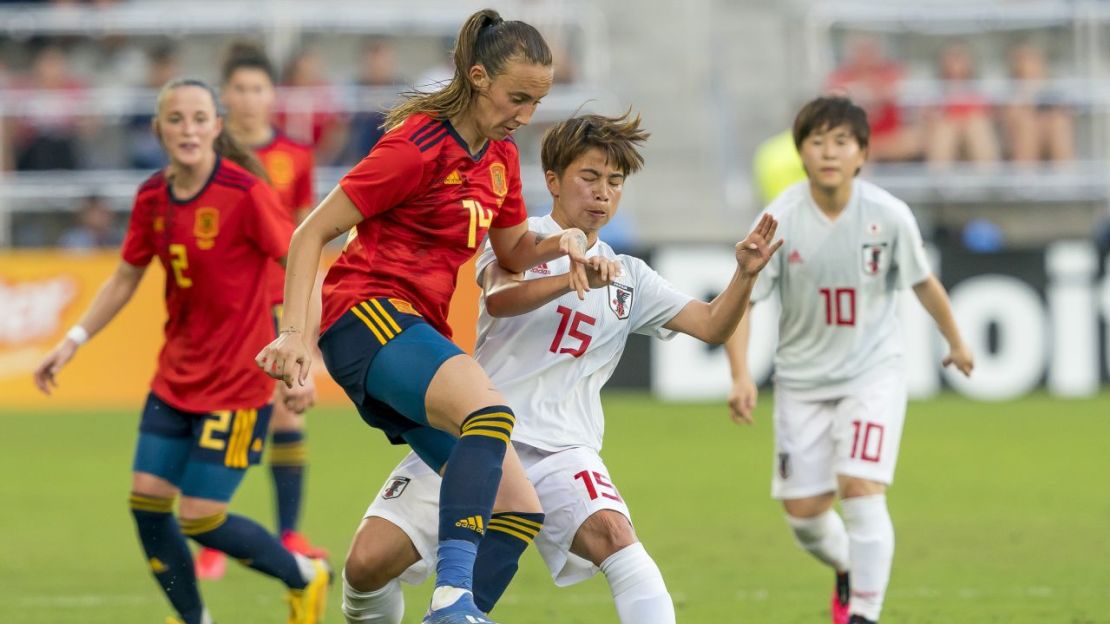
column 216, row 229
column 248, row 98
column 840, row 383
column 421, row 203
column 552, row 361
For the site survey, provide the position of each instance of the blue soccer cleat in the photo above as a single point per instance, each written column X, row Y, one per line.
column 461, row 611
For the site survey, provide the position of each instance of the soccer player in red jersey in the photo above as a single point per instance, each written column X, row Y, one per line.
column 445, row 174
column 216, row 229
column 248, row 97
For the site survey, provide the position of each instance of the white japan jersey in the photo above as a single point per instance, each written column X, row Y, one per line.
column 552, row 362
column 837, row 280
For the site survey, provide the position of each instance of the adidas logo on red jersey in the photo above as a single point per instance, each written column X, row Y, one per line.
column 453, row 178
column 794, row 257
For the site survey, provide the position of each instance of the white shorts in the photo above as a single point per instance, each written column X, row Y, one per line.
column 572, row 484
column 856, row 435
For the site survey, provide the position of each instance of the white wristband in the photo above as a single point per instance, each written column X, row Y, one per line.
column 78, row 335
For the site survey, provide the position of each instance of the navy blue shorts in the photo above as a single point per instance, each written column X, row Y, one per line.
column 203, row 454
column 384, row 355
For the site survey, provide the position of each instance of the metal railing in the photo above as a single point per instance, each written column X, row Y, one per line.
column 282, row 23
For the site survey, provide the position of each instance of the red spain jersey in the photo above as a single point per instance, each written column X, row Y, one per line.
column 427, row 204
column 289, row 166
column 216, row 248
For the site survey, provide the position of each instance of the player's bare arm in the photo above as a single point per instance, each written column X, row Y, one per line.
column 288, row 357
column 743, row 395
column 715, row 321
column 518, row 250
column 109, row 300
column 934, row 299
column 509, row 294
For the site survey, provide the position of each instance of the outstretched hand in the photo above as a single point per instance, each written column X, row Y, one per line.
column 754, row 252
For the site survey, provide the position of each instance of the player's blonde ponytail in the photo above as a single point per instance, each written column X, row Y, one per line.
column 484, row 39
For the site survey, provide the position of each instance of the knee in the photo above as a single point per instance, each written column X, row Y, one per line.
column 811, row 507
column 192, row 508
column 366, row 572
column 852, row 487
column 602, row 535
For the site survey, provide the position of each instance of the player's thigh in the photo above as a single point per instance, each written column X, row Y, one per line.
column 573, row 486
column 162, row 449
column 400, row 529
column 804, row 447
column 460, row 387
column 869, row 429
column 515, row 492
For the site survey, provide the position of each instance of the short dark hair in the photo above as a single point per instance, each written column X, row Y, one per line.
column 246, row 55
column 828, row 112
column 619, row 137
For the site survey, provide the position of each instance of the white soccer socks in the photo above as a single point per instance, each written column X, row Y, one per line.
column 871, row 544
column 638, row 589
column 824, row 537
column 383, row 606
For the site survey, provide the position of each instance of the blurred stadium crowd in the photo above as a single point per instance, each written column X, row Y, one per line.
column 964, row 118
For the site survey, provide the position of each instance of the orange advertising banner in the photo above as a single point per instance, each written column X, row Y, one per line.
column 44, row 293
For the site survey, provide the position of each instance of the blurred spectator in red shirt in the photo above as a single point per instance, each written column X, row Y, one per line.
column 872, row 81
column 1037, row 121
column 309, row 113
column 961, row 126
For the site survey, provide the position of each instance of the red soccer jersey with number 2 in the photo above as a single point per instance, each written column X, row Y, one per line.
column 289, row 166
column 216, row 248
column 428, row 204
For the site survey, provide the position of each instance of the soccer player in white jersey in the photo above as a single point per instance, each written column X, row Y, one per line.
column 840, row 387
column 550, row 353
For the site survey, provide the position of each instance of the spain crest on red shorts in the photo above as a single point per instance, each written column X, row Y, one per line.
column 498, row 179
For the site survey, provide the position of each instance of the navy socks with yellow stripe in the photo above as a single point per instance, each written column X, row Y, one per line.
column 469, row 488
column 287, row 465
column 499, row 554
column 168, row 555
column 248, row 542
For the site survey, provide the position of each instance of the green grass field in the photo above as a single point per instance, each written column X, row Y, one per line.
column 1001, row 510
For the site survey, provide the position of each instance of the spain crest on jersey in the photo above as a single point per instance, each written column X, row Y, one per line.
column 620, row 300
column 874, row 258
column 498, row 179
column 279, row 167
column 206, row 227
